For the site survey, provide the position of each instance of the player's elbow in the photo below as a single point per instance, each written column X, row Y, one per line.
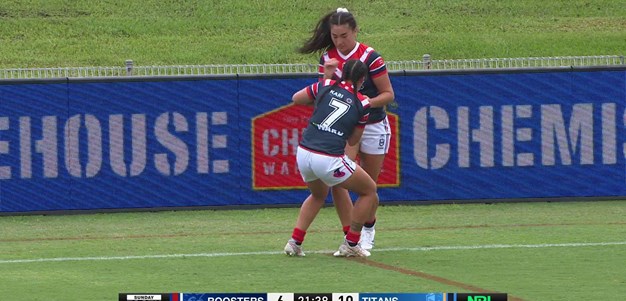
column 300, row 99
column 390, row 96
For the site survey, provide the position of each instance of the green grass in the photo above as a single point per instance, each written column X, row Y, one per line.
column 61, row 33
column 398, row 264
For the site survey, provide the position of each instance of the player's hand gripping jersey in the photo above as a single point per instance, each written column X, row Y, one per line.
column 374, row 63
column 337, row 112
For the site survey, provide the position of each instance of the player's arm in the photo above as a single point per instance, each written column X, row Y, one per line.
column 304, row 97
column 330, row 67
column 380, row 77
column 355, row 138
column 385, row 91
column 357, row 133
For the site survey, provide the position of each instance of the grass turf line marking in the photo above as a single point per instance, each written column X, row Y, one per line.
column 178, row 235
column 436, row 248
column 430, row 277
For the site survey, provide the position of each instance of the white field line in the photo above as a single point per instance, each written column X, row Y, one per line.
column 417, row 249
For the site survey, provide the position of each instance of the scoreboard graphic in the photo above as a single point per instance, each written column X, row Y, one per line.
column 314, row 296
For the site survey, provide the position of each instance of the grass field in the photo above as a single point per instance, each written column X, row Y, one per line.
column 532, row 251
column 61, row 33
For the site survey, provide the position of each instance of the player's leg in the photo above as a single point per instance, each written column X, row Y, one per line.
column 311, row 205
column 308, row 211
column 372, row 164
column 374, row 146
column 341, row 196
column 363, row 185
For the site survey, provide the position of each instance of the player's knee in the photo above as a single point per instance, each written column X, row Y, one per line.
column 319, row 198
column 370, row 189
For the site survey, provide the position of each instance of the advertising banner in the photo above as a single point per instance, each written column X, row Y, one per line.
column 83, row 144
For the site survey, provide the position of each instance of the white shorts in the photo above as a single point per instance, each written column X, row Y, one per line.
column 376, row 138
column 332, row 170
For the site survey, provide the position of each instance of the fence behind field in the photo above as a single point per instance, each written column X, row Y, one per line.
column 426, row 63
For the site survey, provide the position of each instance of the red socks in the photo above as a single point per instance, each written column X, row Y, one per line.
column 298, row 235
column 353, row 238
column 346, row 229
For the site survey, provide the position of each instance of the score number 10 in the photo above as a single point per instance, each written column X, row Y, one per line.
column 313, row 297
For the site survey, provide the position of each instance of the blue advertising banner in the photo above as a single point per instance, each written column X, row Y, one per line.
column 104, row 145
column 527, row 135
column 30, row 120
column 79, row 144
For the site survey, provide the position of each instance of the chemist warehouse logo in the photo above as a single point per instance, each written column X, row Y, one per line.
column 275, row 138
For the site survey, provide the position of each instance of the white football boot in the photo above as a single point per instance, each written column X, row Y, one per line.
column 293, row 249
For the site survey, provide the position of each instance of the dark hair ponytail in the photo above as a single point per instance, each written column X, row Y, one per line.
column 321, row 40
column 354, row 70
